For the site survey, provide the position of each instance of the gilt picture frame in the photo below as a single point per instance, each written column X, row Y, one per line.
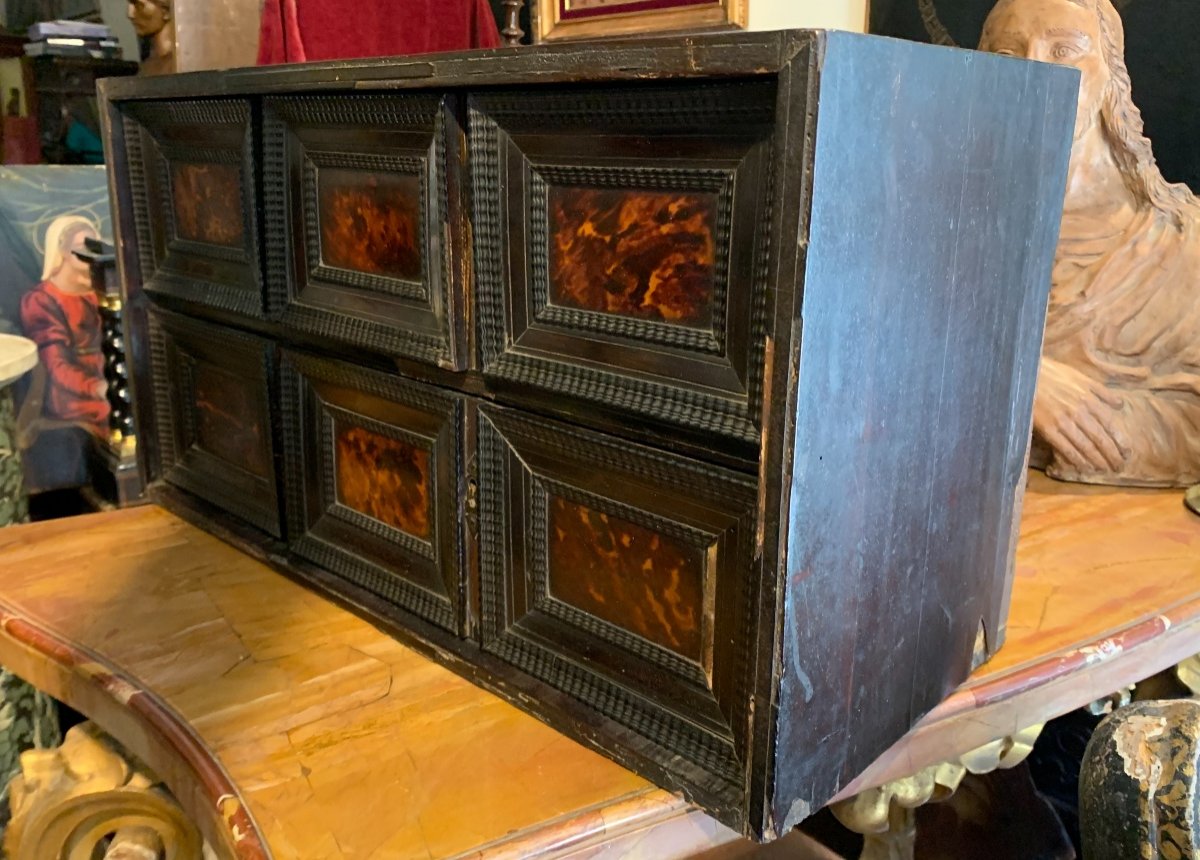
column 555, row 20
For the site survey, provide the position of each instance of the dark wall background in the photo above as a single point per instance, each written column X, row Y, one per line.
column 19, row 14
column 498, row 11
column 1161, row 51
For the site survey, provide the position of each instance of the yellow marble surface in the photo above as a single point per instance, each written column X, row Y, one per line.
column 271, row 712
column 341, row 741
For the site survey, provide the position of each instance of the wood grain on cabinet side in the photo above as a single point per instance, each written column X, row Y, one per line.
column 921, row 327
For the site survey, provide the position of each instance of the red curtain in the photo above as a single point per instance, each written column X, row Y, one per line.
column 295, row 31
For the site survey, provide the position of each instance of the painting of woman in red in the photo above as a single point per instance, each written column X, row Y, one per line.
column 61, row 315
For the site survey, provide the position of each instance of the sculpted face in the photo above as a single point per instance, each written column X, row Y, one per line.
column 148, row 16
column 1054, row 31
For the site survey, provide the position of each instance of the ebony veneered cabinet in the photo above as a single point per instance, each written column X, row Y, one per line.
column 677, row 390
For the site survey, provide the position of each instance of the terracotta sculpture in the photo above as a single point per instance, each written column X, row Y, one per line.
column 153, row 19
column 1118, row 398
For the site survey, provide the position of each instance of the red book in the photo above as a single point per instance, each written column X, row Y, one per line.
column 21, row 144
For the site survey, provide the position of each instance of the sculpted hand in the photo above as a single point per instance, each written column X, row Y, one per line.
column 1076, row 416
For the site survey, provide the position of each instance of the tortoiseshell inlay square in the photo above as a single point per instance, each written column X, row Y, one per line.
column 638, row 579
column 645, row 254
column 226, row 420
column 370, row 222
column 207, row 202
column 383, row 478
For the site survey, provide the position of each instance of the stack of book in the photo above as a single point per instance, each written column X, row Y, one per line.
column 72, row 39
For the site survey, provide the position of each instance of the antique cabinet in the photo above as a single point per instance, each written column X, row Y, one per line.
column 677, row 390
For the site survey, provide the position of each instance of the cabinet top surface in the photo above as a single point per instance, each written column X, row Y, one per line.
column 642, row 58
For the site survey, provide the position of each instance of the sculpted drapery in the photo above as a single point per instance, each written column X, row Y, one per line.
column 1118, row 397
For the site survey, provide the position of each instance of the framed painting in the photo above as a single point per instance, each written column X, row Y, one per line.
column 589, row 19
column 46, row 213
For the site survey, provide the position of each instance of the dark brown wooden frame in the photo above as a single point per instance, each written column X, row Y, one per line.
column 214, row 131
column 178, row 344
column 422, row 577
column 405, row 134
column 705, row 381
column 697, row 710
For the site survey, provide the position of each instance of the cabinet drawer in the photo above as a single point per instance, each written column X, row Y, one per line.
column 191, row 174
column 623, row 577
column 620, row 247
column 372, row 466
column 362, row 246
column 211, row 390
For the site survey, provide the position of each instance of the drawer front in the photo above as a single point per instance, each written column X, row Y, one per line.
column 192, row 180
column 621, row 576
column 620, row 247
column 211, row 395
column 363, row 244
column 372, row 476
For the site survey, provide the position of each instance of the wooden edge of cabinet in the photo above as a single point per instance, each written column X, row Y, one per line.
column 882, row 517
column 646, row 58
column 134, row 319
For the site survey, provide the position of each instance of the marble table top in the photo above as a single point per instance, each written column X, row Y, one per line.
column 18, row 355
column 288, row 727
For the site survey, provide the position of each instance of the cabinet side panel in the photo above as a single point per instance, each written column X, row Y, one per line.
column 937, row 196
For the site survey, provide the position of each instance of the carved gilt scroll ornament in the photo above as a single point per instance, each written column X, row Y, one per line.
column 88, row 799
column 1118, row 397
column 886, row 816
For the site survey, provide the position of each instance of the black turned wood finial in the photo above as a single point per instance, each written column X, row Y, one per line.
column 512, row 32
column 102, row 260
column 114, row 468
